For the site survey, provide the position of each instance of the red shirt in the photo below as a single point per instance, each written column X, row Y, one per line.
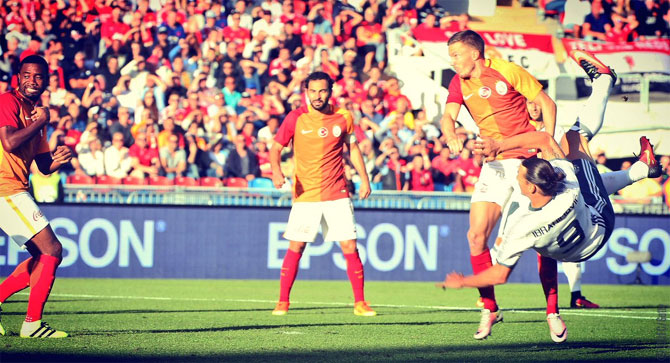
column 144, row 155
column 110, row 28
column 421, row 180
column 239, row 36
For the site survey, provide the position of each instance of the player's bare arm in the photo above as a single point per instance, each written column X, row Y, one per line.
column 548, row 107
column 494, row 275
column 530, row 140
column 448, row 123
column 278, row 178
column 12, row 138
column 359, row 164
column 48, row 163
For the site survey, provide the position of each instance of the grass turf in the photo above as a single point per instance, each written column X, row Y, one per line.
column 230, row 320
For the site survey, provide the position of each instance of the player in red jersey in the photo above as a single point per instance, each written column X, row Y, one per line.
column 494, row 92
column 23, row 139
column 319, row 132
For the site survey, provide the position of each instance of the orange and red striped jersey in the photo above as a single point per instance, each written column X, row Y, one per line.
column 15, row 111
column 497, row 100
column 318, row 146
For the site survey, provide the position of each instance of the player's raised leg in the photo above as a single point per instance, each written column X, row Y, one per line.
column 645, row 167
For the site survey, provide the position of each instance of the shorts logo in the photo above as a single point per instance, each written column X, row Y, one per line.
column 501, row 88
column 37, row 215
column 337, row 131
column 484, row 92
column 323, row 132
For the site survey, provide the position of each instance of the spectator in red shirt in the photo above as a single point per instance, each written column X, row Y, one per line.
column 236, row 34
column 370, row 40
column 144, row 160
column 113, row 26
column 282, row 62
column 392, row 94
column 444, row 167
column 467, row 171
column 420, row 177
column 289, row 15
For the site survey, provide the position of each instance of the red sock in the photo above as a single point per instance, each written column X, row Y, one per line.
column 480, row 263
column 289, row 270
column 41, row 280
column 356, row 276
column 549, row 278
column 17, row 281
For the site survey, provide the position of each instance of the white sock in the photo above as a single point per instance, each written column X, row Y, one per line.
column 590, row 118
column 573, row 271
column 616, row 180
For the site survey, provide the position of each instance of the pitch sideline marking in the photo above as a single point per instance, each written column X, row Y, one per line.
column 599, row 313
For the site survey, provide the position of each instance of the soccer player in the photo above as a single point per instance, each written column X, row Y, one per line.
column 23, row 139
column 561, row 210
column 494, row 92
column 319, row 132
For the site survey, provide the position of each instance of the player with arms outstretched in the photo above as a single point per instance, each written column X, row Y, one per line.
column 22, row 140
column 319, row 132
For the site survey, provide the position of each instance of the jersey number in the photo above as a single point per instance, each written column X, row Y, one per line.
column 571, row 235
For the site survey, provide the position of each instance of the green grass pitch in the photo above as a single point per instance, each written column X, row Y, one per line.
column 230, row 320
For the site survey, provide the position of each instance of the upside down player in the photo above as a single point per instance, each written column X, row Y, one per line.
column 23, row 139
column 494, row 92
column 561, row 210
column 319, row 132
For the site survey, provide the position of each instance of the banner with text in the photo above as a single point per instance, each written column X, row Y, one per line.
column 247, row 243
column 534, row 52
column 647, row 56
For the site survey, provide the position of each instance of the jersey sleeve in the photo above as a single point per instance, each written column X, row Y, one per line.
column 520, row 79
column 287, row 129
column 513, row 245
column 455, row 93
column 9, row 111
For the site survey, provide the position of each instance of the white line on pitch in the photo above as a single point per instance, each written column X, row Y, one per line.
column 593, row 313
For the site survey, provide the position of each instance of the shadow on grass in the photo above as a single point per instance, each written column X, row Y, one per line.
column 477, row 351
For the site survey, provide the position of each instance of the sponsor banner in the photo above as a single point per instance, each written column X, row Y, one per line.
column 633, row 57
column 247, row 243
column 534, row 52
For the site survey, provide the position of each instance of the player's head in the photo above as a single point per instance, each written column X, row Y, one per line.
column 33, row 76
column 465, row 48
column 534, row 111
column 539, row 176
column 319, row 87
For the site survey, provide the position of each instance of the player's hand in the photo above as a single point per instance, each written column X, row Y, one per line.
column 453, row 280
column 278, row 179
column 40, row 115
column 487, row 147
column 62, row 155
column 455, row 145
column 364, row 191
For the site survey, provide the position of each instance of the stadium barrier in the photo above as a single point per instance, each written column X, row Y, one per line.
column 171, row 241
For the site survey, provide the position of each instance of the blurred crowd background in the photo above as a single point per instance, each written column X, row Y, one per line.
column 191, row 92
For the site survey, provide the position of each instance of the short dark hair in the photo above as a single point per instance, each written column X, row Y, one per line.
column 541, row 173
column 36, row 59
column 470, row 38
column 318, row 76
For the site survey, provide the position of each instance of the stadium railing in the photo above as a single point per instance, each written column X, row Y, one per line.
column 270, row 197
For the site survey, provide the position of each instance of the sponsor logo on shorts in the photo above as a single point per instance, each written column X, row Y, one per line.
column 484, row 92
column 37, row 215
column 337, row 131
column 501, row 88
column 323, row 132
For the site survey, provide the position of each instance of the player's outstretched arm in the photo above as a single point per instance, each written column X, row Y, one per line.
column 278, row 178
column 530, row 140
column 448, row 123
column 359, row 164
column 494, row 275
column 48, row 163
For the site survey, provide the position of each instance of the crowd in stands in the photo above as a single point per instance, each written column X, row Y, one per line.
column 614, row 21
column 196, row 89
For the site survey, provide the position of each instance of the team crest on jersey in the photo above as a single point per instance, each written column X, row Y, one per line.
column 337, row 131
column 323, row 132
column 501, row 88
column 484, row 92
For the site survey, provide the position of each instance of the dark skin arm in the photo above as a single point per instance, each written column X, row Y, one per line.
column 48, row 163
column 12, row 138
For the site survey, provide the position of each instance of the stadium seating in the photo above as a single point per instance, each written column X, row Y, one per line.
column 131, row 180
column 160, row 180
column 108, row 180
column 210, row 181
column 236, row 183
column 80, row 179
column 261, row 183
column 186, row 181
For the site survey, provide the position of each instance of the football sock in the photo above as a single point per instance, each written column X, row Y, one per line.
column 289, row 270
column 590, row 117
column 356, row 275
column 17, row 281
column 575, row 295
column 573, row 271
column 41, row 281
column 616, row 180
column 480, row 263
column 549, row 279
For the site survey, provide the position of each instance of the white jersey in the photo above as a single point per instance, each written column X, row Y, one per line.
column 565, row 229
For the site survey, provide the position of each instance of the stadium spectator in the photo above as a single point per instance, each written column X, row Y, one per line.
column 90, row 158
column 242, row 162
column 596, row 23
column 117, row 160
column 575, row 12
column 173, row 159
column 145, row 160
column 420, row 176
